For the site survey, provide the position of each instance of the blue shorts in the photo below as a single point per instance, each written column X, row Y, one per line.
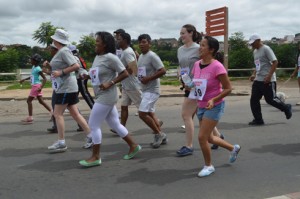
column 214, row 114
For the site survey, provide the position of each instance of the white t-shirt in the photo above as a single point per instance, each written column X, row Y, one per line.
column 131, row 82
column 263, row 58
column 61, row 60
column 107, row 67
column 148, row 64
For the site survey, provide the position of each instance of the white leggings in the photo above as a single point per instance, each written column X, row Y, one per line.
column 101, row 112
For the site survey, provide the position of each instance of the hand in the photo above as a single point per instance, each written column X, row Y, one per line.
column 84, row 76
column 46, row 63
column 210, row 104
column 105, row 85
column 39, row 89
column 21, row 81
column 57, row 73
column 145, row 80
column 251, row 78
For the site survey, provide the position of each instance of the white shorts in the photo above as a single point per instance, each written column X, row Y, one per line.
column 131, row 96
column 148, row 102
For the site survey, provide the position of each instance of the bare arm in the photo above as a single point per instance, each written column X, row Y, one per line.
column 160, row 72
column 226, row 90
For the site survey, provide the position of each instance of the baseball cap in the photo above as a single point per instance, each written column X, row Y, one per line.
column 120, row 31
column 253, row 38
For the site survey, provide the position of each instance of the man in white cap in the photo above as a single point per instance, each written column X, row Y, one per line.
column 264, row 81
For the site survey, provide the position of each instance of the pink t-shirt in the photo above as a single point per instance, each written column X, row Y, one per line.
column 210, row 73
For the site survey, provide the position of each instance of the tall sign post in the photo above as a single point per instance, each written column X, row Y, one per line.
column 217, row 25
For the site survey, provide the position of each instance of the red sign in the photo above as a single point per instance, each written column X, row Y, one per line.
column 216, row 22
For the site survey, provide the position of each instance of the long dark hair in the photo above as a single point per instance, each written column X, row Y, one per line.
column 108, row 40
column 214, row 44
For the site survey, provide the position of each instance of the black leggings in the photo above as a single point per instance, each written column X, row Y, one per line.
column 83, row 90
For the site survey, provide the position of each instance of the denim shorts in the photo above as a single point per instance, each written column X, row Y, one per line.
column 214, row 114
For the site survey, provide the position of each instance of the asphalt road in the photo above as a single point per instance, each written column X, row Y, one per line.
column 267, row 166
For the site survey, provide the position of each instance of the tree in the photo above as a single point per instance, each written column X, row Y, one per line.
column 44, row 32
column 8, row 63
column 240, row 56
column 86, row 47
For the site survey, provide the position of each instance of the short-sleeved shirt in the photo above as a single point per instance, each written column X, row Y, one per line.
column 35, row 75
column 108, row 67
column 131, row 82
column 61, row 60
column 263, row 58
column 187, row 56
column 151, row 63
column 210, row 73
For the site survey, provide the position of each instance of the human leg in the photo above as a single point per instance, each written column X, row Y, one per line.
column 42, row 102
column 256, row 95
column 124, row 115
column 98, row 114
column 189, row 107
column 272, row 99
column 218, row 134
column 83, row 89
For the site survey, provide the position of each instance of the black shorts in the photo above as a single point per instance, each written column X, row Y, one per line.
column 66, row 98
column 186, row 93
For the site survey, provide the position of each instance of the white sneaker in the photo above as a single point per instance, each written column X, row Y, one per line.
column 57, row 147
column 234, row 153
column 206, row 171
column 183, row 126
column 88, row 143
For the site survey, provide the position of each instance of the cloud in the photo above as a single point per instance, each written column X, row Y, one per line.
column 161, row 19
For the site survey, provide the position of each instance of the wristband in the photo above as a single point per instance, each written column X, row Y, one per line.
column 62, row 72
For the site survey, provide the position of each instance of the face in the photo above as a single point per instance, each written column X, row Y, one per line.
column 33, row 62
column 100, row 46
column 121, row 42
column 204, row 50
column 144, row 46
column 185, row 36
column 255, row 44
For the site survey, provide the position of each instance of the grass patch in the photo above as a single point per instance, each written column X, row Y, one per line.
column 170, row 81
column 26, row 85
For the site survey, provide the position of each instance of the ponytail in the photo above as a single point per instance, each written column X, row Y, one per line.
column 220, row 57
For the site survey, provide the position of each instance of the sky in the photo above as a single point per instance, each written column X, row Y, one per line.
column 158, row 18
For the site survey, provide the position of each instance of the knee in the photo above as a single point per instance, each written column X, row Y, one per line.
column 142, row 115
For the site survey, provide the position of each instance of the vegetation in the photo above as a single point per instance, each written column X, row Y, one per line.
column 240, row 55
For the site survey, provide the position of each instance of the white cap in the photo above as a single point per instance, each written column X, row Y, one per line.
column 253, row 38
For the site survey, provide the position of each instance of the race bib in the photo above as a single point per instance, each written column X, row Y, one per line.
column 119, row 53
column 95, row 81
column 55, row 82
column 257, row 65
column 141, row 72
column 199, row 90
column 31, row 79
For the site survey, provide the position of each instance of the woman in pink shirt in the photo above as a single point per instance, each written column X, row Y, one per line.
column 210, row 85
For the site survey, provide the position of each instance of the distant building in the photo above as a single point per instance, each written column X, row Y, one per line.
column 167, row 41
column 297, row 38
